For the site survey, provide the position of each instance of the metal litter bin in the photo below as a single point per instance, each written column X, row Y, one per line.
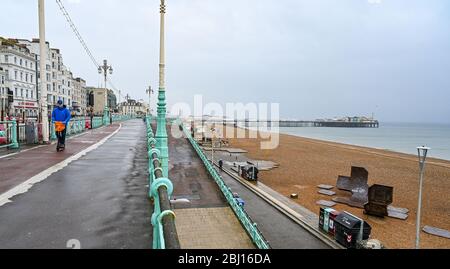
column 30, row 133
column 348, row 229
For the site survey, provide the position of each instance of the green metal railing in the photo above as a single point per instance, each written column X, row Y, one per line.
column 10, row 134
column 242, row 215
column 75, row 126
column 78, row 125
column 160, row 190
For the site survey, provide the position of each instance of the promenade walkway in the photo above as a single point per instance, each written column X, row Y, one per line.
column 207, row 221
column 95, row 192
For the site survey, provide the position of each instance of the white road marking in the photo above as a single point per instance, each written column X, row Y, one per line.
column 27, row 185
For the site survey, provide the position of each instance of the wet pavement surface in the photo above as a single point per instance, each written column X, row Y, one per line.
column 99, row 200
column 190, row 178
column 207, row 222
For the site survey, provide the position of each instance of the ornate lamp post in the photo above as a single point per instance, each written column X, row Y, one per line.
column 104, row 69
column 422, row 152
column 161, row 131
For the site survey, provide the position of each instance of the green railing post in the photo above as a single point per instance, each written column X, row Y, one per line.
column 52, row 131
column 14, row 141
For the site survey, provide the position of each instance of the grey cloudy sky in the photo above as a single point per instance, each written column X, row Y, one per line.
column 317, row 58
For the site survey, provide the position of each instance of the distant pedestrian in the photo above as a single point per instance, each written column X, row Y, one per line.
column 61, row 117
column 221, row 165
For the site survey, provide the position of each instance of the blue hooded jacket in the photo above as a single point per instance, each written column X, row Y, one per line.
column 61, row 114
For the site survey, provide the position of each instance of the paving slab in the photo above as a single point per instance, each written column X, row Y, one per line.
column 437, row 231
column 325, row 187
column 210, row 228
column 326, row 203
column 327, row 192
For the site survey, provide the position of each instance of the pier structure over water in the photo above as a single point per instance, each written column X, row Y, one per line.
column 294, row 123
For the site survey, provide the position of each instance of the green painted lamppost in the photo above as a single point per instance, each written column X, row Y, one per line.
column 161, row 131
column 104, row 69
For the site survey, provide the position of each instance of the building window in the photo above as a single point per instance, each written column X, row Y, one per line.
column 31, row 78
column 15, row 60
column 27, row 93
column 21, row 76
column 15, row 92
column 26, row 63
column 31, row 65
column 6, row 58
column 15, row 74
column 26, row 77
column 32, row 94
column 20, row 62
column 21, row 92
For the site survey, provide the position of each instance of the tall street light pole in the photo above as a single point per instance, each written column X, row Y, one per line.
column 104, row 69
column 422, row 152
column 43, row 59
column 161, row 131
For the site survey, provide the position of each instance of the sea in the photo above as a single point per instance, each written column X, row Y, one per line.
column 399, row 137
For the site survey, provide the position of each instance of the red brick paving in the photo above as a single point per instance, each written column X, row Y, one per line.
column 18, row 168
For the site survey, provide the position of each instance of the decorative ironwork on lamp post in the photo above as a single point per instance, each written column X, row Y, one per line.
column 422, row 152
column 149, row 91
column 104, row 69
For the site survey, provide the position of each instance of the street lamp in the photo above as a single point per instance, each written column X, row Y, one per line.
column 422, row 152
column 104, row 69
column 161, row 130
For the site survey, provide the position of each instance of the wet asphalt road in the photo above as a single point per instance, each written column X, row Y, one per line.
column 99, row 200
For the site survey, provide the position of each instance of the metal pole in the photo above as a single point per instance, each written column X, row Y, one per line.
column 419, row 207
column 212, row 147
column 43, row 59
column 161, row 132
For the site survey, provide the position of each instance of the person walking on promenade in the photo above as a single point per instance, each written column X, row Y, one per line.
column 61, row 117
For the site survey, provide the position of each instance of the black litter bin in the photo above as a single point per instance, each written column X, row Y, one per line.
column 348, row 229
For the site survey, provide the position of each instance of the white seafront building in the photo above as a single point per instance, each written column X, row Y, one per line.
column 19, row 67
column 60, row 81
column 133, row 107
